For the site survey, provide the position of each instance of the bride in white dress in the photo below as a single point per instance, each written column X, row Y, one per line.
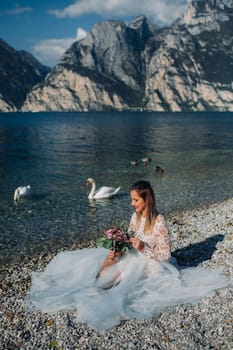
column 108, row 287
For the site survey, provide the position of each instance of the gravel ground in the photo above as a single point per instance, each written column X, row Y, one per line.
column 200, row 237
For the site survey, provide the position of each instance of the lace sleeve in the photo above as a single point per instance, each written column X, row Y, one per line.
column 132, row 224
column 159, row 244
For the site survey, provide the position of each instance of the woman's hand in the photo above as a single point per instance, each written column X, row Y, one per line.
column 109, row 261
column 137, row 244
column 112, row 255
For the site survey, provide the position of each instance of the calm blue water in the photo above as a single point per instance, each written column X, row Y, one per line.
column 56, row 152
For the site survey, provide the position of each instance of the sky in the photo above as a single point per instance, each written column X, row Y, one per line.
column 47, row 28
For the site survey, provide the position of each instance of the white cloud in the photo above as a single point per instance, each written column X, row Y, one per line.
column 49, row 51
column 160, row 11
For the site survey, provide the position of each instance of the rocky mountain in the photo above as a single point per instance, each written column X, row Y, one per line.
column 106, row 70
column 19, row 72
column 193, row 68
column 186, row 67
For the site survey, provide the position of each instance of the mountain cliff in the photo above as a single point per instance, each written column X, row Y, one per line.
column 106, row 70
column 19, row 72
column 185, row 67
column 193, row 68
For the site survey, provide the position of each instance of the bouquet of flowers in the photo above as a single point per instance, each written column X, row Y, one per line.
column 116, row 239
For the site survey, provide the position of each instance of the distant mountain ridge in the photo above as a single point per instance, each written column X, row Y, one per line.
column 19, row 72
column 185, row 67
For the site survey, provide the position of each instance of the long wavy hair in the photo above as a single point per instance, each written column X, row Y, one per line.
column 145, row 191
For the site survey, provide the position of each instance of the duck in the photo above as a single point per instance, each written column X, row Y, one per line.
column 103, row 192
column 159, row 170
column 134, row 162
column 146, row 160
column 22, row 191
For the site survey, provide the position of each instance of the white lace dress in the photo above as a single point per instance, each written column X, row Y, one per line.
column 157, row 243
column 138, row 286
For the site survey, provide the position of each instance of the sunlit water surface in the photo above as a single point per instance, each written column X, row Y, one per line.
column 56, row 152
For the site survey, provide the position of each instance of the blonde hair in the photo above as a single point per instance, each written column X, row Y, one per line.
column 145, row 191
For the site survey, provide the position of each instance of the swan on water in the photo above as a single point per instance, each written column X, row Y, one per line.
column 102, row 192
column 22, row 191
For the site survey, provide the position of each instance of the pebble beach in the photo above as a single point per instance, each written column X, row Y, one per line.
column 199, row 237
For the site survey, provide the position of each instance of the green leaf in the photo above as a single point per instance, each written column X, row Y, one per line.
column 107, row 244
column 125, row 250
column 100, row 241
column 131, row 233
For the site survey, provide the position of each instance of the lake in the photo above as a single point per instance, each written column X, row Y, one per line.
column 56, row 152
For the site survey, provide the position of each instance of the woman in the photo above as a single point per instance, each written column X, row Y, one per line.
column 136, row 285
column 151, row 234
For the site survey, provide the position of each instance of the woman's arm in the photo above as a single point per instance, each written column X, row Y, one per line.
column 110, row 260
column 138, row 244
column 160, row 243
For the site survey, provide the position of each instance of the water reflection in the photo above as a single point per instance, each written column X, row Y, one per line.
column 94, row 203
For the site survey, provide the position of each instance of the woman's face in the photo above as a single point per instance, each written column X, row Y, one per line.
column 138, row 203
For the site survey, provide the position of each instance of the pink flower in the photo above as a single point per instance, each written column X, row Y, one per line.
column 116, row 239
column 109, row 234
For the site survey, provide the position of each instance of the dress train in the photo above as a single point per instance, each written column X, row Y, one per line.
column 135, row 288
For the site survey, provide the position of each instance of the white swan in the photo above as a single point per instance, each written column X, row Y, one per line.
column 22, row 191
column 101, row 193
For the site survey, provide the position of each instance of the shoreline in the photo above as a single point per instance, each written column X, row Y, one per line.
column 199, row 237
